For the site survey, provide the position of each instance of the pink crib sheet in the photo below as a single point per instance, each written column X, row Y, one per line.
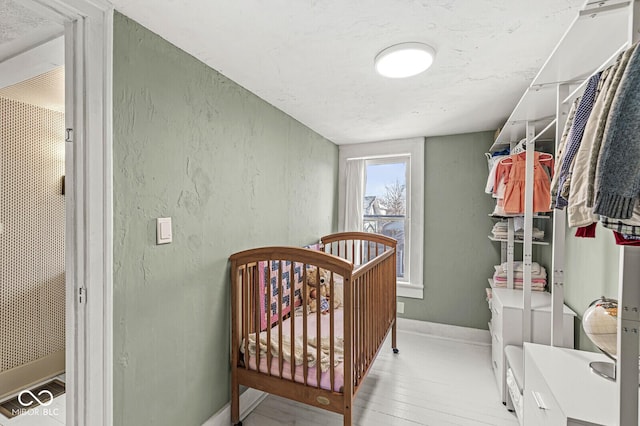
column 325, row 377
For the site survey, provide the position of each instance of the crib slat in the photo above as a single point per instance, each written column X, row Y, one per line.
column 305, row 366
column 365, row 323
column 318, row 324
column 368, row 318
column 292, row 316
column 348, row 342
column 280, row 353
column 267, row 313
column 360, row 291
column 331, row 331
column 379, row 304
column 243, row 313
column 367, row 313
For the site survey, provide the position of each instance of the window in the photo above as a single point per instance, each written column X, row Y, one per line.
column 385, row 203
column 382, row 191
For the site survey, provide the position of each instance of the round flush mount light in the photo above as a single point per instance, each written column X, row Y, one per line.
column 404, row 60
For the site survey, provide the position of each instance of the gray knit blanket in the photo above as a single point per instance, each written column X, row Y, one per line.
column 619, row 169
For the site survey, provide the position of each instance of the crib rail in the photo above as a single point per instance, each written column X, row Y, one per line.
column 370, row 298
column 357, row 247
column 373, row 311
column 254, row 325
column 362, row 266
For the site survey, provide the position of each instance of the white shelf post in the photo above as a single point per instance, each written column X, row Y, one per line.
column 629, row 300
column 528, row 234
column 510, row 242
column 559, row 232
column 628, row 329
column 510, row 252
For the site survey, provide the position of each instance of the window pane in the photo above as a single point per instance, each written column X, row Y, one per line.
column 385, row 190
column 385, row 204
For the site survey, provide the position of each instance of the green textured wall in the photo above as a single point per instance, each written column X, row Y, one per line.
column 233, row 172
column 458, row 255
column 591, row 271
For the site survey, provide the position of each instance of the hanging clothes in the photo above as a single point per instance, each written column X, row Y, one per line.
column 618, row 187
column 574, row 139
column 630, row 227
column 596, row 150
column 561, row 151
column 626, row 240
column 578, row 213
column 515, row 183
column 588, row 231
column 492, row 172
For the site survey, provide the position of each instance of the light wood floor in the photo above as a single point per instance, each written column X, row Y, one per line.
column 432, row 381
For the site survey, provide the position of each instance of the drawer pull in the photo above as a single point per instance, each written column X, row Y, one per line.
column 495, row 364
column 539, row 402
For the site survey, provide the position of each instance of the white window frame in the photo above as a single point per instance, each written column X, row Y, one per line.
column 414, row 148
column 396, row 159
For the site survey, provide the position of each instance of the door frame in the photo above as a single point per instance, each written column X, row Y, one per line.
column 89, row 205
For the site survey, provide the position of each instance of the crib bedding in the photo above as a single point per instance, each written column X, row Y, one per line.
column 325, row 375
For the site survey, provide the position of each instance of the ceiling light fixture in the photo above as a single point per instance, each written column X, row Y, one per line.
column 404, row 60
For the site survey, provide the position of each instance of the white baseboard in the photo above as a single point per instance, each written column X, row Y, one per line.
column 445, row 331
column 248, row 401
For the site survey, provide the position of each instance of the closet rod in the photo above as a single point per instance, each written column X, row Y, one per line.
column 535, row 138
column 524, row 120
column 600, row 9
column 553, row 84
column 600, row 68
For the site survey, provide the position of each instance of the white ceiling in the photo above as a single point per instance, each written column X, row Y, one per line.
column 21, row 29
column 31, row 56
column 313, row 59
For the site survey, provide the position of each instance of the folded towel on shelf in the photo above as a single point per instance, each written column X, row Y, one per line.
column 538, row 276
column 501, row 231
column 519, row 278
column 518, row 267
column 519, row 286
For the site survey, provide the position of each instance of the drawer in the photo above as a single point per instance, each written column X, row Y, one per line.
column 497, row 363
column 540, row 407
column 496, row 319
column 496, row 352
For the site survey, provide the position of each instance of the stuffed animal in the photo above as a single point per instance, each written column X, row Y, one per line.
column 319, row 291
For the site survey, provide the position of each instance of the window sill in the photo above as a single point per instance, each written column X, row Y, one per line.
column 412, row 291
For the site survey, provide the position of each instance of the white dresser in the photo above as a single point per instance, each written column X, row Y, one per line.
column 506, row 326
column 560, row 388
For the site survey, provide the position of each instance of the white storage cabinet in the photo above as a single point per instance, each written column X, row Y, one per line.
column 560, row 389
column 506, row 326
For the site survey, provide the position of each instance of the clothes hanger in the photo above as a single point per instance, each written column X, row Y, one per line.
column 543, row 157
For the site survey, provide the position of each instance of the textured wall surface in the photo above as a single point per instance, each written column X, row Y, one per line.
column 591, row 271
column 233, row 172
column 32, row 281
column 458, row 255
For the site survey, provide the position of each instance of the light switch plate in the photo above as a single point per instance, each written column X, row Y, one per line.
column 164, row 233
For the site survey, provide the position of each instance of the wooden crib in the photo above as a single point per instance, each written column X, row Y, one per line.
column 331, row 352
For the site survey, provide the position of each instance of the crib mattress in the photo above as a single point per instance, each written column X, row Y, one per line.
column 325, row 377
